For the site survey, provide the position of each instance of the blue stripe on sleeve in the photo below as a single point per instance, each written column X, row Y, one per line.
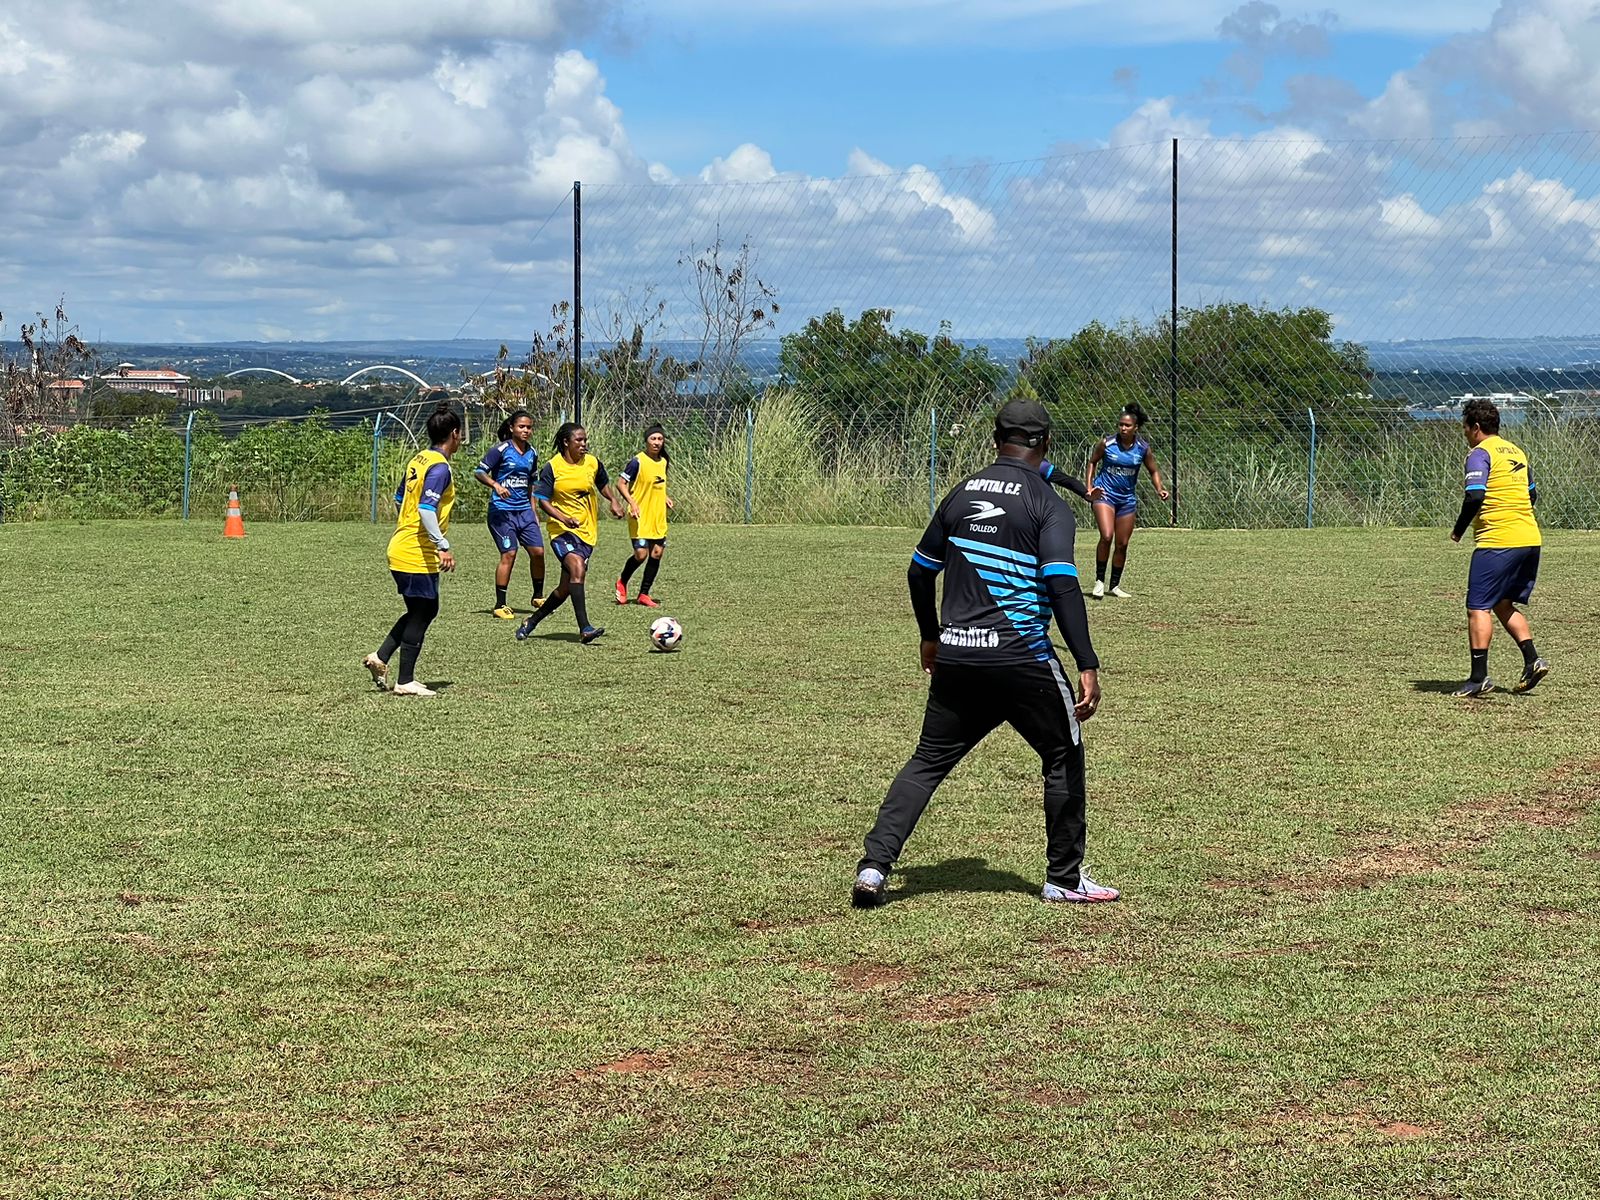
column 1050, row 569
column 922, row 560
column 1477, row 487
column 429, row 507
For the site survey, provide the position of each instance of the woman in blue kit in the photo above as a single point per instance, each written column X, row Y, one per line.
column 508, row 470
column 1114, row 467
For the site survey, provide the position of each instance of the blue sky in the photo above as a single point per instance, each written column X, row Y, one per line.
column 808, row 102
column 333, row 169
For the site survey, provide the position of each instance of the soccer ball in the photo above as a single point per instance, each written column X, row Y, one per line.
column 665, row 633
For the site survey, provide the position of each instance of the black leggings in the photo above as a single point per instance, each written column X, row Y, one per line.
column 407, row 635
column 966, row 703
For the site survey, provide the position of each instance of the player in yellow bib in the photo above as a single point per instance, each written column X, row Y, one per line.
column 644, row 489
column 419, row 551
column 1498, row 504
column 571, row 485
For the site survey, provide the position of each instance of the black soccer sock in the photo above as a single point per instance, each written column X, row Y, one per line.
column 1480, row 666
column 408, row 661
column 629, row 567
column 1100, row 569
column 392, row 642
column 536, row 570
column 1529, row 654
column 499, row 596
column 1116, row 576
column 650, row 570
column 580, row 605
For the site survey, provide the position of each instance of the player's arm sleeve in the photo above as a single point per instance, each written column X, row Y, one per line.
column 920, row 580
column 1055, row 475
column 545, row 488
column 927, row 560
column 631, row 471
column 489, row 463
column 1477, row 483
column 1533, row 489
column 430, row 526
column 434, row 484
column 601, row 479
column 1060, row 577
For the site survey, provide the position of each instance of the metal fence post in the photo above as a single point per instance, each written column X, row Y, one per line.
column 749, row 463
column 188, row 458
column 933, row 460
column 1311, row 470
column 376, row 426
column 1172, row 347
column 577, row 301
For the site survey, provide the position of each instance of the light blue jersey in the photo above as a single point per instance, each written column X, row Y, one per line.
column 515, row 470
column 1119, row 469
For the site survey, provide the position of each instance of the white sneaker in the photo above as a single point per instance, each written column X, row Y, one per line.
column 414, row 689
column 1087, row 892
column 871, row 884
column 1120, row 594
column 1099, row 592
column 380, row 671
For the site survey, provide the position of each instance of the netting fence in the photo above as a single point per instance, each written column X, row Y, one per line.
column 1302, row 321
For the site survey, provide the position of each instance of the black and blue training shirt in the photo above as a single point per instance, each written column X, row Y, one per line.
column 1004, row 540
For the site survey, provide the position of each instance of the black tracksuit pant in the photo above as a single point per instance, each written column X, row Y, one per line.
column 965, row 704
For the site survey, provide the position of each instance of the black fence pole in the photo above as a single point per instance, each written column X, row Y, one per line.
column 1172, row 336
column 577, row 302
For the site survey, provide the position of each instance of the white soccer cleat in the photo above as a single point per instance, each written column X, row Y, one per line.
column 1120, row 594
column 1099, row 592
column 380, row 671
column 1087, row 892
column 414, row 689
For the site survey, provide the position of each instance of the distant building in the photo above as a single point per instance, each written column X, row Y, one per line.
column 164, row 381
column 196, row 396
column 66, row 392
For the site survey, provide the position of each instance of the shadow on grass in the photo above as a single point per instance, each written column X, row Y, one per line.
column 439, row 685
column 1439, row 687
column 958, row 875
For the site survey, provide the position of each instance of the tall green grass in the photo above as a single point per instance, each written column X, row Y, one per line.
column 794, row 461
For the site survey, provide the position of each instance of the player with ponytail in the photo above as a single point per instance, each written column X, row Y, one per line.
column 569, row 491
column 1119, row 459
column 419, row 550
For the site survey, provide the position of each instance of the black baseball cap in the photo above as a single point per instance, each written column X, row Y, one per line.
column 1026, row 419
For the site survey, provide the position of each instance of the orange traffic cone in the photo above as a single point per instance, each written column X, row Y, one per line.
column 233, row 527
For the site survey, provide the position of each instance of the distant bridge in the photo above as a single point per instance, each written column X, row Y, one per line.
column 267, row 370
column 418, row 379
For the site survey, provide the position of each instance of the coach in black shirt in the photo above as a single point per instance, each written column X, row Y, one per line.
column 1003, row 540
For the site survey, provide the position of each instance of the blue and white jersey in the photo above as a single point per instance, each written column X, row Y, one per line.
column 1119, row 468
column 514, row 469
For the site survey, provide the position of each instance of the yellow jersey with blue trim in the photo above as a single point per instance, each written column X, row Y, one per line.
column 428, row 485
column 574, row 489
column 1501, row 473
column 647, row 484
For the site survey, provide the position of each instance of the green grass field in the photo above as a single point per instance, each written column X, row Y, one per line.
column 579, row 927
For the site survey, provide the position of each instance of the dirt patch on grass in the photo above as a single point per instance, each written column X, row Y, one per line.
column 638, row 1062
column 944, row 1010
column 864, row 977
column 1303, row 1122
column 1366, row 867
column 1572, row 790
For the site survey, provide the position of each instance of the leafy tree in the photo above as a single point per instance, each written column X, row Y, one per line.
column 1240, row 368
column 864, row 372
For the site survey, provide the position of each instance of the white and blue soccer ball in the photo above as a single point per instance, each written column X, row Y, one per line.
column 666, row 633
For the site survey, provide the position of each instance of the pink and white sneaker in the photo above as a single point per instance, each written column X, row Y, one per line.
column 1087, row 892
